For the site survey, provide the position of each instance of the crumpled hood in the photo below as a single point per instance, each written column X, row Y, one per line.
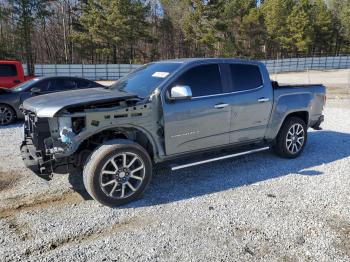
column 48, row 105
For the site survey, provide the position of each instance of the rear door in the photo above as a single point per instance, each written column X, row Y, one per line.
column 8, row 75
column 203, row 121
column 61, row 84
column 251, row 103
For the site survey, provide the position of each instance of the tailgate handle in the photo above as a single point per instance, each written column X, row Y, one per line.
column 221, row 105
column 263, row 99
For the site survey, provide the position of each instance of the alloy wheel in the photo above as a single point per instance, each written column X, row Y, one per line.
column 295, row 138
column 122, row 175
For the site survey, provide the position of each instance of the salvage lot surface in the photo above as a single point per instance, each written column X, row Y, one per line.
column 258, row 207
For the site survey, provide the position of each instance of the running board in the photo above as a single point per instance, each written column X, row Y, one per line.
column 219, row 158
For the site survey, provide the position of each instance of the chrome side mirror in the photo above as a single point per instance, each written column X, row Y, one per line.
column 180, row 93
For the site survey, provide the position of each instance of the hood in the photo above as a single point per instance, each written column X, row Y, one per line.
column 50, row 104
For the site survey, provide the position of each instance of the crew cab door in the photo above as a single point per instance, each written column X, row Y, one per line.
column 251, row 102
column 202, row 121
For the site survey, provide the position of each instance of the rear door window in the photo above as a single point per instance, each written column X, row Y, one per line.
column 8, row 70
column 62, row 84
column 82, row 83
column 203, row 80
column 245, row 77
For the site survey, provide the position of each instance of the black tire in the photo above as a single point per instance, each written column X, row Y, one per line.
column 101, row 160
column 7, row 115
column 282, row 147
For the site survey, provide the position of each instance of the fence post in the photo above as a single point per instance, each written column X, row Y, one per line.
column 297, row 67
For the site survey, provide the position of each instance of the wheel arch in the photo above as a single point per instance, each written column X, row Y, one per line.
column 304, row 115
column 279, row 118
column 123, row 133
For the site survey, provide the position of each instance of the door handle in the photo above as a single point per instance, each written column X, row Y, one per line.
column 222, row 105
column 16, row 81
column 263, row 100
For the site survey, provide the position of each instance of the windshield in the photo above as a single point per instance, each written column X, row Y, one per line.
column 145, row 79
column 25, row 85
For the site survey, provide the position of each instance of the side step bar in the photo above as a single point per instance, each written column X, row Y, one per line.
column 177, row 167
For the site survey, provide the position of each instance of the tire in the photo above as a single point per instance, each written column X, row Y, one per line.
column 113, row 180
column 290, row 143
column 7, row 115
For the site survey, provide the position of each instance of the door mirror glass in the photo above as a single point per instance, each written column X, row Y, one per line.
column 180, row 93
column 35, row 90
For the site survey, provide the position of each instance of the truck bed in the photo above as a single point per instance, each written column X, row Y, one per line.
column 276, row 85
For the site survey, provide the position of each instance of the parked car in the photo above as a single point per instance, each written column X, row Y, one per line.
column 166, row 111
column 11, row 99
column 12, row 73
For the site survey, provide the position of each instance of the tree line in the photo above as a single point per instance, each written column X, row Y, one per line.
column 138, row 31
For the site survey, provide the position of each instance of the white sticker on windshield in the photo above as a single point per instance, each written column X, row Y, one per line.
column 161, row 74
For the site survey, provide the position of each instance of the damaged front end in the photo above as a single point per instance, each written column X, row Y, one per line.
column 61, row 143
column 41, row 144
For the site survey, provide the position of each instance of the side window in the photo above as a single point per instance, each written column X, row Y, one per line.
column 81, row 83
column 62, row 84
column 8, row 70
column 204, row 80
column 245, row 77
column 43, row 85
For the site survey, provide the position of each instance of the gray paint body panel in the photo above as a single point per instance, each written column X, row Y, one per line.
column 190, row 125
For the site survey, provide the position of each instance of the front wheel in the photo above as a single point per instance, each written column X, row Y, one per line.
column 116, row 174
column 291, row 139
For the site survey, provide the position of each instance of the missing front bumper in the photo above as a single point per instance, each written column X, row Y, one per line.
column 41, row 164
column 32, row 158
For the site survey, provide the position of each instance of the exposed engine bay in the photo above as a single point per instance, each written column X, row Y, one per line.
column 73, row 133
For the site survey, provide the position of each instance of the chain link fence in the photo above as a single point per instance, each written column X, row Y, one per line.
column 115, row 71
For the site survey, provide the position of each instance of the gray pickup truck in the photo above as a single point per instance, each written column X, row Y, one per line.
column 171, row 112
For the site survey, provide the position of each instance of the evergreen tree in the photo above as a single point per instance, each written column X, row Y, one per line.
column 24, row 13
column 323, row 26
column 253, row 33
column 115, row 26
column 300, row 34
column 275, row 16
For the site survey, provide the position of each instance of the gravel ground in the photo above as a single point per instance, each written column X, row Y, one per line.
column 258, row 207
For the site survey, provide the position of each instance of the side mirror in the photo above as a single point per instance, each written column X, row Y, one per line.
column 180, row 93
column 35, row 90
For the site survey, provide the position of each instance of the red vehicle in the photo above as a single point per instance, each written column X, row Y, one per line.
column 11, row 73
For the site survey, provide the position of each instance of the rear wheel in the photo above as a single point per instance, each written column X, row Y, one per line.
column 7, row 115
column 291, row 139
column 116, row 174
